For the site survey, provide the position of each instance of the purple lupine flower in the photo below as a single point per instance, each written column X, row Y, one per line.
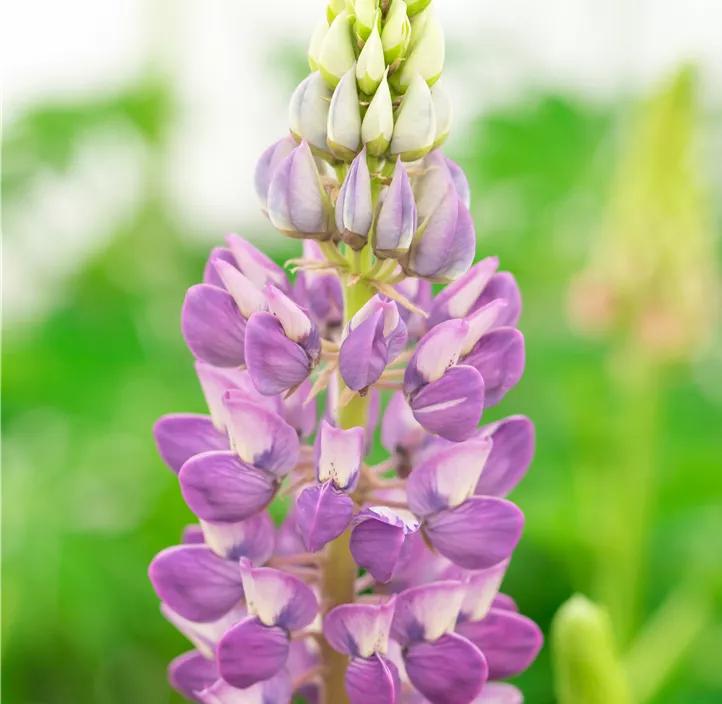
column 277, row 613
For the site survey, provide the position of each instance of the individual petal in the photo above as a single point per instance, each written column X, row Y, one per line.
column 218, row 486
column 245, row 293
column 276, row 690
column 444, row 245
column 421, row 566
column 481, row 321
column 338, row 455
column 458, row 298
column 192, row 535
column 503, row 285
column 461, row 184
column 431, row 186
column 260, row 437
column 449, row 671
column 298, row 205
column 354, row 206
column 397, row 219
column 426, row 612
column 499, row 357
column 373, row 680
column 212, row 326
column 251, row 652
column 418, row 291
column 190, row 673
column 415, row 125
column 268, row 163
column 308, row 111
column 451, row 407
column 337, row 51
column 294, row 320
column 436, row 352
column 377, row 125
column 289, row 540
column 180, row 436
column 364, row 354
column 204, row 636
column 479, row 533
column 500, row 693
column 510, row 642
column 504, row 601
column 195, row 582
column 378, row 538
column 482, row 588
column 255, row 265
column 322, row 514
column 444, row 113
column 278, row 598
column 210, row 274
column 320, row 293
column 448, row 477
column 510, row 457
column 300, row 413
column 275, row 363
column 359, row 630
column 253, row 538
column 400, row 431
column 344, row 118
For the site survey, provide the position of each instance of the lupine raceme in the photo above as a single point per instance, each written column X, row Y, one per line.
column 376, row 583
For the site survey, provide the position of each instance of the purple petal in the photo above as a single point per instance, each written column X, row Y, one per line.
column 378, row 539
column 500, row 693
column 212, row 326
column 449, row 671
column 499, row 358
column 255, row 265
column 458, row 177
column 193, row 535
column 338, row 455
column 436, row 352
column 210, row 274
column 289, row 540
column 451, row 407
column 372, row 419
column 447, row 478
column 251, row 652
column 253, row 538
column 268, row 163
column 295, row 322
column 276, row 690
column 478, row 534
column 397, row 218
column 322, row 514
column 433, row 184
column 180, row 436
column 373, row 680
column 364, row 354
column 400, row 431
column 503, row 285
column 247, row 296
column 458, row 298
column 195, row 582
column 359, row 630
column 260, row 437
column 482, row 588
column 320, row 293
column 205, row 636
column 274, row 362
column 425, row 613
column 504, row 601
column 190, row 673
column 302, row 658
column 299, row 414
column 510, row 456
column 420, row 565
column 418, row 291
column 354, row 207
column 278, row 598
column 510, row 642
column 218, row 486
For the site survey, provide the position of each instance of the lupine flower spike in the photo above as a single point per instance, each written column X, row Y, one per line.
column 311, row 574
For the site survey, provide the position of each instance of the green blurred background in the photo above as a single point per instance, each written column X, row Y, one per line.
column 606, row 210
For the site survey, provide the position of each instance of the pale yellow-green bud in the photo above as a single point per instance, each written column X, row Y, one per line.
column 308, row 112
column 587, row 667
column 396, row 32
column 415, row 126
column 418, row 26
column 314, row 46
column 366, row 17
column 334, row 9
column 344, row 118
column 337, row 53
column 378, row 123
column 443, row 112
column 414, row 7
column 426, row 58
column 371, row 66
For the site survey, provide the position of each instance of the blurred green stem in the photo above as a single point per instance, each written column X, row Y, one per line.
column 630, row 491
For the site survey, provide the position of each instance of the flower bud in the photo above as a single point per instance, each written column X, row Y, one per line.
column 439, row 174
column 298, row 205
column 366, row 17
column 344, row 118
column 268, row 163
column 334, row 9
column 443, row 112
column 396, row 221
column 337, row 52
column 371, row 65
column 413, row 7
column 443, row 246
column 308, row 112
column 427, row 57
column 396, row 33
column 418, row 25
column 415, row 127
column 378, row 123
column 314, row 46
column 354, row 207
